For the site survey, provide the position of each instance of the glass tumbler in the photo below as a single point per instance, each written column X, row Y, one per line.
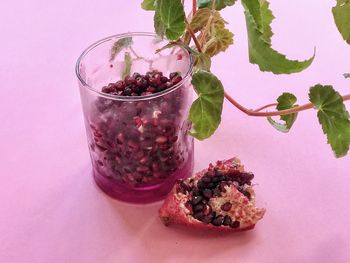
column 139, row 145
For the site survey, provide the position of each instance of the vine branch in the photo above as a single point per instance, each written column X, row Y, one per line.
column 189, row 29
column 194, row 7
column 257, row 112
column 266, row 106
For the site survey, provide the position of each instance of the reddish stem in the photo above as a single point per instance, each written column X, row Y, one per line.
column 256, row 113
column 194, row 7
column 189, row 29
column 266, row 106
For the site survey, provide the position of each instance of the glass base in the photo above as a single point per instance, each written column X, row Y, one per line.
column 142, row 195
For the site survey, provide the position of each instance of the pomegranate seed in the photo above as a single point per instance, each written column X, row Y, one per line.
column 158, row 175
column 207, row 219
column 142, row 169
column 196, row 200
column 198, row 208
column 133, row 145
column 235, row 224
column 120, row 85
column 136, row 75
column 129, row 80
column 247, row 194
column 118, row 160
column 226, row 207
column 218, row 220
column 173, row 75
column 127, row 91
column 101, row 148
column 207, row 193
column 207, row 209
column 176, row 80
column 161, row 139
column 227, row 221
column 199, row 215
column 151, row 90
column 144, row 160
column 164, row 79
column 185, row 186
column 216, row 192
column 206, row 179
column 120, row 138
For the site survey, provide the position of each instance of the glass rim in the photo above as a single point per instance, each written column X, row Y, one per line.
column 129, row 98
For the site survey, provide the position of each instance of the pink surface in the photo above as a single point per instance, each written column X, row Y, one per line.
column 51, row 210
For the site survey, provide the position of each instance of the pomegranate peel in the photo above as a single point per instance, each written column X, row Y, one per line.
column 219, row 198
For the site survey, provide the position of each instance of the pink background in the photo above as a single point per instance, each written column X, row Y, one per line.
column 51, row 210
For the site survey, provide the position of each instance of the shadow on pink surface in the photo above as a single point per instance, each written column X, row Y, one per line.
column 143, row 222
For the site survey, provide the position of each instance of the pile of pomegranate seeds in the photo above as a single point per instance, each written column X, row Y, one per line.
column 212, row 185
column 142, row 85
column 141, row 142
column 221, row 196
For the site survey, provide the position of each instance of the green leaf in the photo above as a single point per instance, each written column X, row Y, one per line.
column 341, row 13
column 333, row 117
column 149, row 5
column 254, row 9
column 127, row 65
column 266, row 20
column 159, row 27
column 202, row 61
column 346, row 75
column 219, row 4
column 278, row 126
column 205, row 112
column 285, row 101
column 219, row 39
column 119, row 46
column 202, row 16
column 258, row 20
column 153, row 5
column 172, row 16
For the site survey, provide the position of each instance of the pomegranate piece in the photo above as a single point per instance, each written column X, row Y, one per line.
column 218, row 198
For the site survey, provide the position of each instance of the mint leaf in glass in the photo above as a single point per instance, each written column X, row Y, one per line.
column 127, row 65
column 119, row 46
